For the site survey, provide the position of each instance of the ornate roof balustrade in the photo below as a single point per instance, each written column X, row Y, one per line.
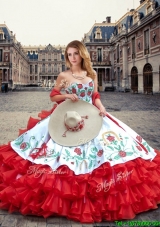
column 99, row 40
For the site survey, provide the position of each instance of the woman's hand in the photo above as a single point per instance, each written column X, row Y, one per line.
column 101, row 108
column 73, row 97
column 102, row 111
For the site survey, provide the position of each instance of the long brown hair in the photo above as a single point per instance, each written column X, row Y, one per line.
column 86, row 61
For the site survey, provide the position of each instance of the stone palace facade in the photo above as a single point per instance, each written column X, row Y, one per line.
column 28, row 65
column 125, row 54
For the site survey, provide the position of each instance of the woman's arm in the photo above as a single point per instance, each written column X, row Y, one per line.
column 55, row 95
column 97, row 101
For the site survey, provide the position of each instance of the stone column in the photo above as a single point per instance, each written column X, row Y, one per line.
column 140, row 83
column 156, row 82
column 111, row 52
column 19, row 76
column 125, row 66
column 11, row 60
column 38, row 71
column 103, row 78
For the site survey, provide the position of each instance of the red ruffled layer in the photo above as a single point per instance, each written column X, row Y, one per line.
column 32, row 121
column 108, row 193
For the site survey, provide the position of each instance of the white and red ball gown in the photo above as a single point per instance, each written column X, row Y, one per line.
column 112, row 177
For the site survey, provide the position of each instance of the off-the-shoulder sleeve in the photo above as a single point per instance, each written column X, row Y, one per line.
column 56, row 92
column 95, row 96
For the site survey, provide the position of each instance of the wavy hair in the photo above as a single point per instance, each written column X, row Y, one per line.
column 86, row 61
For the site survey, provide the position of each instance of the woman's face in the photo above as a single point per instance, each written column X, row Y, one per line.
column 74, row 57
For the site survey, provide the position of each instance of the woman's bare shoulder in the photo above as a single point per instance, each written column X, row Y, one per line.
column 62, row 77
column 64, row 74
column 94, row 71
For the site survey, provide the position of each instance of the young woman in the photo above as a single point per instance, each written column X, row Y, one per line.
column 80, row 72
column 113, row 176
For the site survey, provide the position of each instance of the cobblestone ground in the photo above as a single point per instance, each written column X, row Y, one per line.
column 140, row 112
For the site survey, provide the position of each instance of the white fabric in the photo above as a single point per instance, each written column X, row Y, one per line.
column 113, row 144
column 85, row 158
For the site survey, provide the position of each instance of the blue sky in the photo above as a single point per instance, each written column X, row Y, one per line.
column 57, row 22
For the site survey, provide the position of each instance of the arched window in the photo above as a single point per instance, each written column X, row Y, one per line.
column 98, row 33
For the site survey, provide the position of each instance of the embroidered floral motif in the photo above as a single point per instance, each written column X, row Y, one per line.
column 139, row 148
column 117, row 146
column 81, row 159
column 91, row 84
column 122, row 153
column 23, row 146
column 120, row 146
column 73, row 90
column 111, row 138
column 108, row 138
column 39, row 152
column 19, row 140
column 144, row 144
column 89, row 93
column 100, row 153
column 80, row 86
column 78, row 151
column 83, row 91
column 52, row 155
column 139, row 138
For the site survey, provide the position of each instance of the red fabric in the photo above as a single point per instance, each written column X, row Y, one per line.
column 33, row 121
column 41, row 152
column 35, row 189
column 95, row 96
column 55, row 92
column 45, row 113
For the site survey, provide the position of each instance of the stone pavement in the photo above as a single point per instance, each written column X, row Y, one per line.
column 140, row 112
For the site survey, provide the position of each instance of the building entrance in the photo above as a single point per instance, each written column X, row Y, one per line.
column 134, row 79
column 147, row 79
